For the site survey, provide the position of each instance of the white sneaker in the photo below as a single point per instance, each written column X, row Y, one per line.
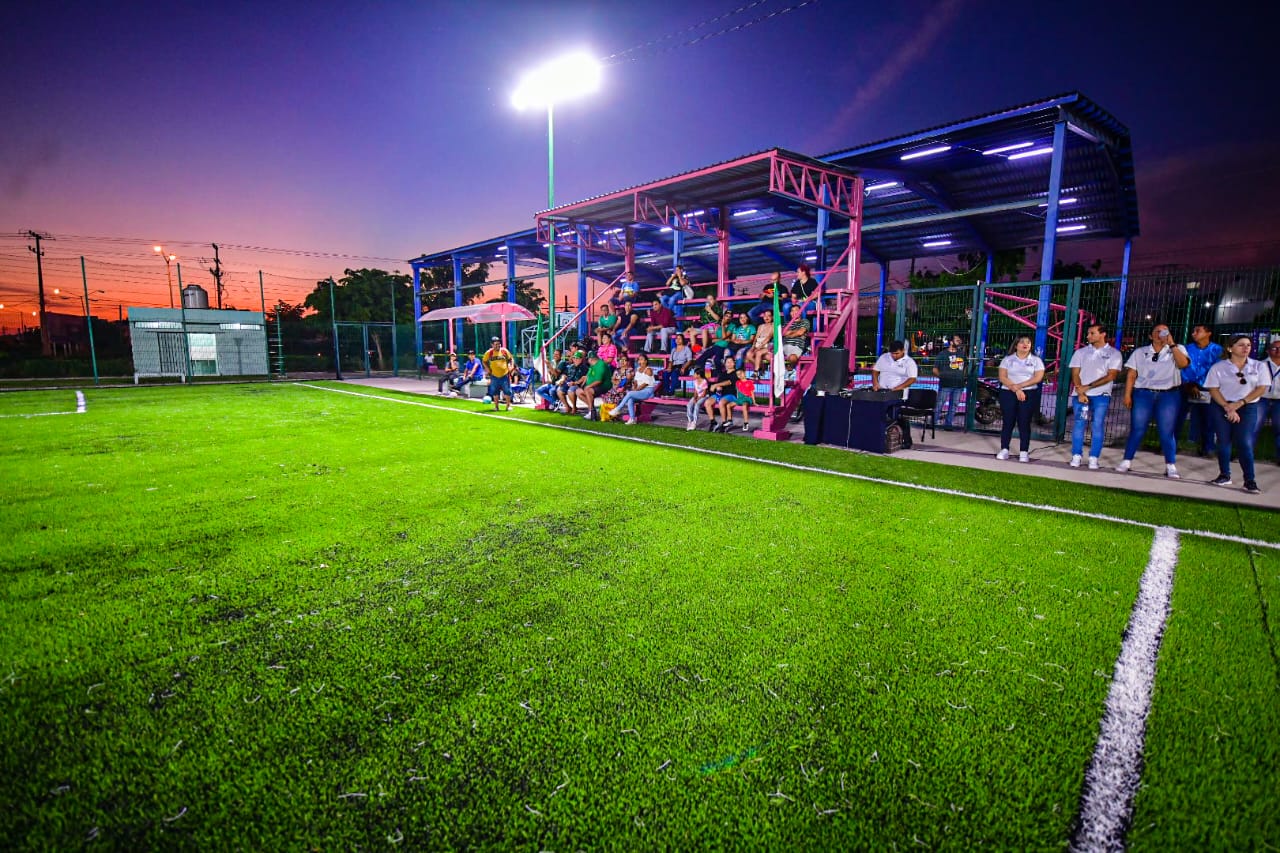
column 1093, row 463
column 1003, row 454
column 1023, row 456
column 628, row 421
column 1075, row 461
column 1124, row 465
column 691, row 426
column 1171, row 471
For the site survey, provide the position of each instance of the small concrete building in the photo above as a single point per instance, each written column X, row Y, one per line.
column 216, row 343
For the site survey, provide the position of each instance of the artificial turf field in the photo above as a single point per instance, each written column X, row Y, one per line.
column 279, row 617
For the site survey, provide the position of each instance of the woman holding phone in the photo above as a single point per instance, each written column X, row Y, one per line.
column 1151, row 387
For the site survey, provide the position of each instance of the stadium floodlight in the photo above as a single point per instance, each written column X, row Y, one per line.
column 571, row 76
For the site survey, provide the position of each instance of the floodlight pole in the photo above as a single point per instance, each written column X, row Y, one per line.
column 551, row 202
column 88, row 319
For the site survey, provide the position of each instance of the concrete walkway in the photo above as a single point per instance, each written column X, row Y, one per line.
column 978, row 450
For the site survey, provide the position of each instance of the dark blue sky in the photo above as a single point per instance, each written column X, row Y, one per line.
column 386, row 130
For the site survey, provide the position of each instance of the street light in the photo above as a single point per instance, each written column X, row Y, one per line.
column 559, row 80
column 168, row 259
column 1192, row 287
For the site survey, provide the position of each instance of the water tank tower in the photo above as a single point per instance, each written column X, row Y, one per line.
column 194, row 296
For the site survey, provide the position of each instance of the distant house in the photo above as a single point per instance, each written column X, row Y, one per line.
column 216, row 343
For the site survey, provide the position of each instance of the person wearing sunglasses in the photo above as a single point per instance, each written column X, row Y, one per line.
column 1235, row 384
column 1269, row 403
column 1151, row 388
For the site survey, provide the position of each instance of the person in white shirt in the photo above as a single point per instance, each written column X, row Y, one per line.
column 1151, row 386
column 894, row 370
column 1235, row 384
column 1269, row 403
column 1021, row 373
column 1094, row 369
column 644, row 384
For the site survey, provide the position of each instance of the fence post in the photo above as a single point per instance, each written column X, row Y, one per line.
column 364, row 336
column 337, row 353
column 899, row 317
column 186, row 341
column 395, row 362
column 1065, row 351
column 977, row 345
column 88, row 319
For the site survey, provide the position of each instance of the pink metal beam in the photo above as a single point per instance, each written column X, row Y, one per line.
column 581, row 235
column 652, row 211
column 814, row 185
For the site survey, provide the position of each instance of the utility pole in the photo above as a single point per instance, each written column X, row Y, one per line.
column 216, row 271
column 45, row 349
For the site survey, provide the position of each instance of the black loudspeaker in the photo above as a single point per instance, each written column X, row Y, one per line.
column 833, row 370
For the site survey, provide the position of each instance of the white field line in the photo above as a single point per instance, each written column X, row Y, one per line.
column 1111, row 782
column 81, row 408
column 938, row 490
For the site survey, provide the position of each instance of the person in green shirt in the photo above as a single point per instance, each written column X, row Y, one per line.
column 599, row 375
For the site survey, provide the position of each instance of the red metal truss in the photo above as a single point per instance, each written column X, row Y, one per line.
column 836, row 191
column 664, row 214
column 583, row 235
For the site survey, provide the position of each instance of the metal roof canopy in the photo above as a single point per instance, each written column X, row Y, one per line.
column 967, row 196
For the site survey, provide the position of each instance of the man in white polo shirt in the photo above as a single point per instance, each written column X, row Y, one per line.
column 895, row 370
column 1094, row 369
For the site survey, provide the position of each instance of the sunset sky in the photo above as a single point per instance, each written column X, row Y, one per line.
column 356, row 135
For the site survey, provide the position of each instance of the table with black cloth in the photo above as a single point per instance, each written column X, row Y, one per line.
column 848, row 422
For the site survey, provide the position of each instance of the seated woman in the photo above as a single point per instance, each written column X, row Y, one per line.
column 710, row 319
column 607, row 350
column 643, row 385
column 678, row 365
column 742, row 335
column 762, row 345
column 610, row 400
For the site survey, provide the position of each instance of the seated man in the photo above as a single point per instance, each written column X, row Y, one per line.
column 663, row 321
column 894, row 370
column 451, row 371
column 628, row 324
column 597, row 381
column 795, row 336
column 766, row 300
column 472, row 370
column 570, row 381
column 547, row 390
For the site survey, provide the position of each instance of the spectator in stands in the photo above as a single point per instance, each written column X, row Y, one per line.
column 766, row 299
column 1151, row 383
column 598, row 379
column 762, row 344
column 663, row 321
column 609, row 351
column 894, row 370
column 678, row 365
column 571, row 381
column 710, row 319
column 627, row 290
column 450, row 375
column 610, row 399
column 804, row 290
column 727, row 398
column 949, row 367
column 606, row 322
column 1094, row 369
column 1269, row 403
column 700, row 397
column 678, row 288
column 498, row 363
column 1196, row 403
column 743, row 398
column 1236, row 384
column 643, row 386
column 795, row 335
column 741, row 335
column 547, row 390
column 720, row 390
column 1021, row 373
column 472, row 370
column 628, row 325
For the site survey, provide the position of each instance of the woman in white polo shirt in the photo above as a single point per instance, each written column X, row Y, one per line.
column 1020, row 375
column 1152, row 378
column 1235, row 384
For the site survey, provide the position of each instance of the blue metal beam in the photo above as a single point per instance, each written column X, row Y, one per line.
column 1050, row 235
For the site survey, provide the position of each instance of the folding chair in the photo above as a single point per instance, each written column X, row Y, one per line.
column 521, row 382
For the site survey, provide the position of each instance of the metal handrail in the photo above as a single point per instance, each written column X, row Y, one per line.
column 545, row 368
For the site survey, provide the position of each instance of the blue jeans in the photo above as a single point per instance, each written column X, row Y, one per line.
column 1164, row 405
column 548, row 393
column 1020, row 413
column 944, row 395
column 671, row 299
column 691, row 408
column 1268, row 412
column 1241, row 435
column 630, row 399
column 1096, row 421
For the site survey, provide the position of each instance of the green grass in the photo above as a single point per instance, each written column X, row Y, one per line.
column 265, row 617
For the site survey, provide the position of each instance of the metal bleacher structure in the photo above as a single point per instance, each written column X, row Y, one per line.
column 1055, row 169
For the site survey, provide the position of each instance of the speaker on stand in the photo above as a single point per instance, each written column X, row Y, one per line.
column 833, row 370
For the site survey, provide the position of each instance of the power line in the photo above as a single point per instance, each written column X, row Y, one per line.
column 650, row 49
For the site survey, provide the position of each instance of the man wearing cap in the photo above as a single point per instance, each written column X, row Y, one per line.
column 498, row 362
column 571, row 379
column 894, row 370
column 471, row 372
